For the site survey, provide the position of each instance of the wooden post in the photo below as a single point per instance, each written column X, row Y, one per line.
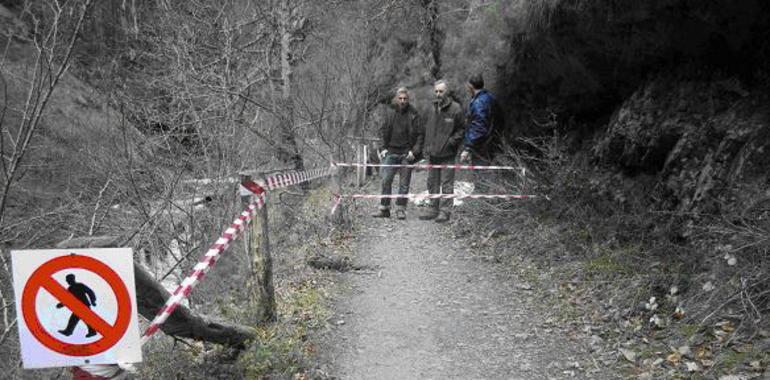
column 366, row 159
column 358, row 168
column 261, row 285
column 337, row 216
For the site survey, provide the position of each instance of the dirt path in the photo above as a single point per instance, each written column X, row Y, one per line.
column 433, row 310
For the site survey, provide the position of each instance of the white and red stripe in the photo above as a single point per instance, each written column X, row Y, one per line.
column 433, row 166
column 280, row 181
column 99, row 372
column 203, row 266
column 437, row 196
column 339, row 197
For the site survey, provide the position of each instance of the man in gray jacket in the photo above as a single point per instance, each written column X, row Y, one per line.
column 443, row 136
column 401, row 138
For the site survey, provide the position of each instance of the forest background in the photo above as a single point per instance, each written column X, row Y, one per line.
column 645, row 122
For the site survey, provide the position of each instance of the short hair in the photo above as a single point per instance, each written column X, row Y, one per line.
column 476, row 81
column 440, row 82
column 402, row 90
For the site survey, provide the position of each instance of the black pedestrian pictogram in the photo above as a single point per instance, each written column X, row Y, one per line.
column 86, row 296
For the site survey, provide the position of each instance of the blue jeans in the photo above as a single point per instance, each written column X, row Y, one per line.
column 388, row 174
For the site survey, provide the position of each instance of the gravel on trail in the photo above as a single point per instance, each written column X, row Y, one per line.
column 432, row 309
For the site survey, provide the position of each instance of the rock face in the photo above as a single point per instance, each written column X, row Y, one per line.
column 669, row 88
column 698, row 136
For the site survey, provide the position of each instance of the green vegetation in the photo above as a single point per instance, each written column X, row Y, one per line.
column 608, row 265
column 283, row 350
column 689, row 330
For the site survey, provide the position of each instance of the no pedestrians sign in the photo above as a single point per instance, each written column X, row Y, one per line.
column 76, row 307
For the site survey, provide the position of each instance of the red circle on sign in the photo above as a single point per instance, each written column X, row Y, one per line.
column 42, row 278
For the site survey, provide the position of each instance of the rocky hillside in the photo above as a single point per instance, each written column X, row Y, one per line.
column 672, row 88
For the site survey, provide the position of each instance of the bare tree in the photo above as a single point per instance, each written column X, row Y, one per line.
column 434, row 35
column 54, row 43
column 49, row 33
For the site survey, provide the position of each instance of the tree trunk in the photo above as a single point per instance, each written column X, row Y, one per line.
column 435, row 36
column 151, row 296
column 288, row 134
column 263, row 293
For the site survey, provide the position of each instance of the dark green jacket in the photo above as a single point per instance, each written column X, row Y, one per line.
column 402, row 132
column 444, row 130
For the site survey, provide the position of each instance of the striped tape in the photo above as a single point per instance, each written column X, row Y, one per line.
column 184, row 289
column 436, row 196
column 432, row 166
column 230, row 234
column 280, row 181
column 339, row 197
column 207, row 262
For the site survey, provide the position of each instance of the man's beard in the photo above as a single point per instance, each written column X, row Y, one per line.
column 442, row 100
column 402, row 107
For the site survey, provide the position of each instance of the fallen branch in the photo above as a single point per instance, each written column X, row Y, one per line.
column 338, row 263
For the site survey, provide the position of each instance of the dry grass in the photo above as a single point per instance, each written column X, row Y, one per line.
column 607, row 251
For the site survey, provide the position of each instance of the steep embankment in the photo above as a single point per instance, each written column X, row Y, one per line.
column 80, row 143
column 657, row 122
column 675, row 89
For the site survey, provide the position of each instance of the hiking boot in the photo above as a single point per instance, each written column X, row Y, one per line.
column 429, row 215
column 400, row 214
column 382, row 213
column 443, row 216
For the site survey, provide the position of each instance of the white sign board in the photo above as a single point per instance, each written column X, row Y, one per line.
column 76, row 307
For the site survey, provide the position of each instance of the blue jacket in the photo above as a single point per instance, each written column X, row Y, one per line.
column 479, row 121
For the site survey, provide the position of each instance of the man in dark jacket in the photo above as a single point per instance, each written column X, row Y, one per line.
column 482, row 112
column 401, row 143
column 443, row 135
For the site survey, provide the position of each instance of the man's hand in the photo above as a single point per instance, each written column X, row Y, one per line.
column 410, row 156
column 465, row 156
column 383, row 154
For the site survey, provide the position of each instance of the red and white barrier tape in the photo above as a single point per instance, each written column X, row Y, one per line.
column 279, row 181
column 437, row 196
column 188, row 284
column 214, row 252
column 433, row 166
column 206, row 263
column 339, row 197
column 98, row 372
column 114, row 372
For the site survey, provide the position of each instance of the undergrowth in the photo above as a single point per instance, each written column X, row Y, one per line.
column 283, row 349
column 656, row 280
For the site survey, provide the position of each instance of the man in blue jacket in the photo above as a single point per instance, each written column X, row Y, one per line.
column 479, row 126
